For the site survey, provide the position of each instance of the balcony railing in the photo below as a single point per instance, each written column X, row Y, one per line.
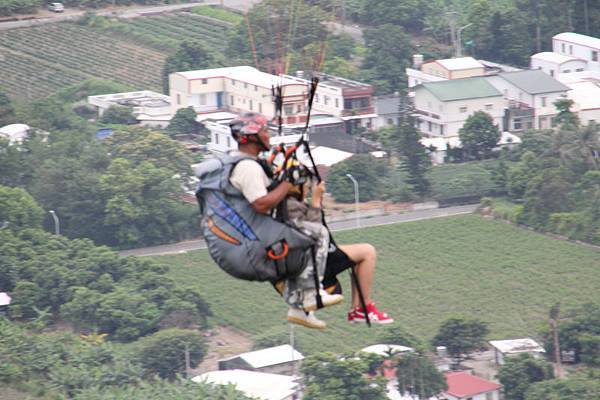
column 358, row 111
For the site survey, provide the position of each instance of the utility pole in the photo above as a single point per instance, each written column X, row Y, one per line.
column 554, row 313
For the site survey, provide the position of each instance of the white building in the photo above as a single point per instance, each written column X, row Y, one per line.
column 443, row 107
column 454, row 68
column 530, row 95
column 257, row 385
column 554, row 63
column 585, row 93
column 149, row 108
column 278, row 360
column 464, row 386
column 506, row 348
column 580, row 46
column 15, row 133
column 439, row 146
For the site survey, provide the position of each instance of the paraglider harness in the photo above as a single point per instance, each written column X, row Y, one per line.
column 337, row 260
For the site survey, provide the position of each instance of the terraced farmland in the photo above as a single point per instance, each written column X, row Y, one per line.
column 38, row 61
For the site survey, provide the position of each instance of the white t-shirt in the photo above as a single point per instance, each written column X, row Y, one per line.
column 249, row 178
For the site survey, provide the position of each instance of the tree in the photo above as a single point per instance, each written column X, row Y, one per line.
column 329, row 377
column 407, row 14
column 565, row 116
column 7, row 111
column 164, row 353
column 418, row 376
column 118, row 115
column 388, row 54
column 189, row 56
column 578, row 387
column 18, row 210
column 461, row 336
column 414, row 157
column 520, row 372
column 364, row 168
column 397, row 335
column 183, row 122
column 479, row 135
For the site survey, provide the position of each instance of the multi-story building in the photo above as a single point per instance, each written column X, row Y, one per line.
column 237, row 89
column 349, row 100
column 530, row 95
column 586, row 48
column 584, row 90
column 443, row 107
column 555, row 64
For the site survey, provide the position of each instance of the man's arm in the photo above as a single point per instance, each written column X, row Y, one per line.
column 270, row 200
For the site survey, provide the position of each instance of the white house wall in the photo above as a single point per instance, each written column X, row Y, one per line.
column 577, row 51
column 495, row 396
column 452, row 117
column 553, row 69
column 587, row 116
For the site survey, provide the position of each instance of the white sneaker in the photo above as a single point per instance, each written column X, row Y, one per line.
column 298, row 316
column 310, row 299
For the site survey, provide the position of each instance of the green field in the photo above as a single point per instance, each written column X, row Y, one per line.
column 39, row 61
column 427, row 272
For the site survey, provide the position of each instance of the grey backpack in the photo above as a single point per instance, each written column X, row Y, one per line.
column 244, row 243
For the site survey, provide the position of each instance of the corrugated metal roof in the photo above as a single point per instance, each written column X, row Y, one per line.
column 461, row 89
column 271, row 356
column 457, row 64
column 517, row 345
column 254, row 384
column 554, row 57
column 533, row 81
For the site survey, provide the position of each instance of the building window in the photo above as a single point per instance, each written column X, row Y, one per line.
column 570, row 49
column 325, row 100
column 562, row 47
column 232, row 100
column 552, row 73
column 299, row 108
column 517, row 124
column 390, row 121
column 204, row 81
column 233, row 82
column 288, row 109
column 202, row 99
column 260, row 107
column 255, row 88
column 216, row 138
column 429, row 127
column 489, row 396
column 594, row 55
column 178, row 99
column 337, row 103
column 543, row 99
column 579, row 70
column 488, row 107
column 228, row 142
column 442, row 130
column 543, row 124
column 250, row 104
column 462, row 109
column 566, row 71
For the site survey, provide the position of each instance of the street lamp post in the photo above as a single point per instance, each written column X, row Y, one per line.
column 356, row 212
column 459, row 41
column 56, row 222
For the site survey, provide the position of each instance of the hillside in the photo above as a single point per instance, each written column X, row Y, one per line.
column 427, row 271
column 41, row 60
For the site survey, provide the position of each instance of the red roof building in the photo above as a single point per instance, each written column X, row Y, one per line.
column 464, row 386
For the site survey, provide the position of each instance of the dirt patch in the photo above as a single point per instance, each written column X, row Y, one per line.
column 222, row 342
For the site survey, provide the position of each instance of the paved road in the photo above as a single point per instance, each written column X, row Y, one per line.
column 191, row 245
column 46, row 17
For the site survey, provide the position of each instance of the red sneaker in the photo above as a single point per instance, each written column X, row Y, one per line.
column 375, row 316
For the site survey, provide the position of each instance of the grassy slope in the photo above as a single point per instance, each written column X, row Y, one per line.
column 427, row 271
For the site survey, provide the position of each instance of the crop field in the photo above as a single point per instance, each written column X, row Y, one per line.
column 427, row 271
column 38, row 61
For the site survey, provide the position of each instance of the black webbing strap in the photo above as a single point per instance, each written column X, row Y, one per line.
column 316, row 277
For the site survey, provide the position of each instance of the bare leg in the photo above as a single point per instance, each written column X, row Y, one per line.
column 365, row 257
